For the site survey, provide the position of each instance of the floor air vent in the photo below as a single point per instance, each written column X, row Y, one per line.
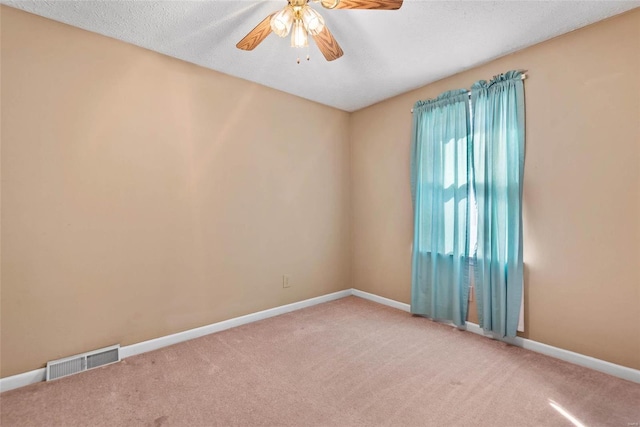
column 82, row 362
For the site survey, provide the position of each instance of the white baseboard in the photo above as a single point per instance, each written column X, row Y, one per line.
column 37, row 375
column 619, row 371
column 381, row 300
column 21, row 380
column 154, row 344
column 630, row 374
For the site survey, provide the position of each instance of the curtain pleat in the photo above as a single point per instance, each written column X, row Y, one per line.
column 439, row 182
column 498, row 169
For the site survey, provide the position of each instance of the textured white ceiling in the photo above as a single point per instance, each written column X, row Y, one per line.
column 385, row 52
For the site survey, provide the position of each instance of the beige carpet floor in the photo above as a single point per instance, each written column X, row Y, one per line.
column 349, row 362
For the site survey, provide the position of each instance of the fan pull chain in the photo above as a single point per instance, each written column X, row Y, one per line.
column 308, row 57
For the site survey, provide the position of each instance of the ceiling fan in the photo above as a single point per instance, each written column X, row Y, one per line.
column 303, row 19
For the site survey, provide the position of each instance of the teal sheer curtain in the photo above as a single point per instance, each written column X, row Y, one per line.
column 439, row 182
column 498, row 167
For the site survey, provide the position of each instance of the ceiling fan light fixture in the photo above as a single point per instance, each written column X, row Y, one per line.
column 281, row 22
column 305, row 21
column 313, row 21
column 329, row 4
column 299, row 34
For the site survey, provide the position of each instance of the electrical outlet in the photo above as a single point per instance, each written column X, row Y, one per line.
column 285, row 281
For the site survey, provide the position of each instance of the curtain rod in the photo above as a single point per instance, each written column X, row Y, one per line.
column 523, row 76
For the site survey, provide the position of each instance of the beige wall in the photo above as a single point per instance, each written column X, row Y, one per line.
column 144, row 196
column 581, row 189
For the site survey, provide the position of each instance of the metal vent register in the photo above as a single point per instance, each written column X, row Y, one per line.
column 82, row 362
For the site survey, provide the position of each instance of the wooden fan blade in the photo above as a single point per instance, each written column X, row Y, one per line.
column 328, row 45
column 370, row 4
column 255, row 36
